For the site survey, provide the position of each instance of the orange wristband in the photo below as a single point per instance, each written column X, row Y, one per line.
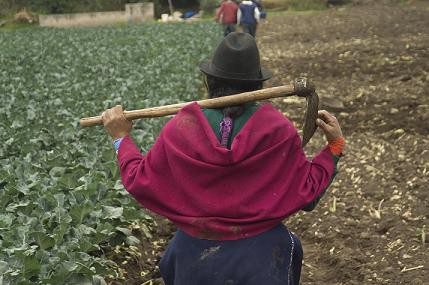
column 337, row 145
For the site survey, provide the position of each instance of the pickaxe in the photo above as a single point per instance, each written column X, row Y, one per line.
column 301, row 87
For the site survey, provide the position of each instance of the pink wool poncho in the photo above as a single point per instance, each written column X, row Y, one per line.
column 215, row 193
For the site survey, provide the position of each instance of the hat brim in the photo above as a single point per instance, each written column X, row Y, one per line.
column 207, row 68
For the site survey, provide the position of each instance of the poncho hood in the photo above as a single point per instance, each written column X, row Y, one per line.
column 190, row 134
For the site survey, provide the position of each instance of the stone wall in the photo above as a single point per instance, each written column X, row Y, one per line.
column 137, row 13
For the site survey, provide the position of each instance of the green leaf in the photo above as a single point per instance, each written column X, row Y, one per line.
column 3, row 267
column 60, row 199
column 83, row 230
column 98, row 280
column 80, row 211
column 59, row 233
column 125, row 231
column 70, row 266
column 57, row 171
column 132, row 240
column 118, row 185
column 31, row 267
column 44, row 240
column 5, row 220
column 112, row 212
column 13, row 206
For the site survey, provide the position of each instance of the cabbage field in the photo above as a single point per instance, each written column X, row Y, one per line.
column 61, row 201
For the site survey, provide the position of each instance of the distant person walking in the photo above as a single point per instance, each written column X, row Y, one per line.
column 248, row 16
column 227, row 16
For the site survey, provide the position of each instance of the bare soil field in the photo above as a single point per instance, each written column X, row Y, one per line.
column 370, row 64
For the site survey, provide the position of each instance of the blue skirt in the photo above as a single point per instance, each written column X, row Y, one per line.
column 273, row 258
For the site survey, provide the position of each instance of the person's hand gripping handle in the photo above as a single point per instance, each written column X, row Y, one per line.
column 115, row 123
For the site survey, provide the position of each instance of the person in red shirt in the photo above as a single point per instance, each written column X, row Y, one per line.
column 227, row 16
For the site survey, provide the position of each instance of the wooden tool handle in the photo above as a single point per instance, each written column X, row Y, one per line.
column 263, row 94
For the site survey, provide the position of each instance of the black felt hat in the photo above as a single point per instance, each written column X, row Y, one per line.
column 236, row 58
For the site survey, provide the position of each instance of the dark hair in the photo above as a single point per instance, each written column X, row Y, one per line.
column 218, row 87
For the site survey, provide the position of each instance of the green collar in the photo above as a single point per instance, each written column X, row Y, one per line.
column 215, row 116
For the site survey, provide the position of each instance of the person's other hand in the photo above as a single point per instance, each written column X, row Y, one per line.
column 115, row 122
column 329, row 125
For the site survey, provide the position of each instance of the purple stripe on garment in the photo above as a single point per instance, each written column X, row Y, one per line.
column 225, row 130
